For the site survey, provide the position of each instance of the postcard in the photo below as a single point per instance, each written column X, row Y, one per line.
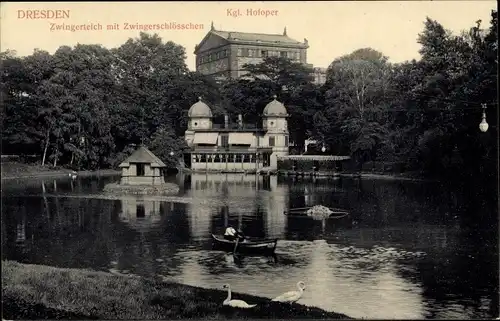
column 250, row 160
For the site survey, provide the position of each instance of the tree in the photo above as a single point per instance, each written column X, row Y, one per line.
column 290, row 81
column 247, row 97
column 22, row 133
column 147, row 72
column 76, row 113
column 355, row 113
column 166, row 145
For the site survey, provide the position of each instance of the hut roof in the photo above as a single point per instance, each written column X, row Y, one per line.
column 143, row 155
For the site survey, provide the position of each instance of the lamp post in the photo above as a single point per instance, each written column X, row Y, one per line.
column 172, row 155
column 483, row 126
column 323, row 148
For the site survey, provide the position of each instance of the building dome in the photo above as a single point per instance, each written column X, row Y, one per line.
column 275, row 108
column 200, row 109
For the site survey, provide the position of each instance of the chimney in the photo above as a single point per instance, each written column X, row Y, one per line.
column 240, row 121
column 226, row 121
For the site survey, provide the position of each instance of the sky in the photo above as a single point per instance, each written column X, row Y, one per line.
column 332, row 28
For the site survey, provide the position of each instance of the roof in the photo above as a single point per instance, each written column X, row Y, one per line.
column 275, row 108
column 143, row 155
column 200, row 109
column 255, row 37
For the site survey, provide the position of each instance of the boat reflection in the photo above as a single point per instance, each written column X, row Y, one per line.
column 242, row 259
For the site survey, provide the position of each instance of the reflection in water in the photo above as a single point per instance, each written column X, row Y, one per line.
column 253, row 203
column 140, row 215
column 402, row 253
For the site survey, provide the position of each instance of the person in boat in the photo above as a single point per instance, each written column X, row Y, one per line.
column 231, row 234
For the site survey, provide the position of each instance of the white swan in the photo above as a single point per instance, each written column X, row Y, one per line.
column 292, row 296
column 235, row 303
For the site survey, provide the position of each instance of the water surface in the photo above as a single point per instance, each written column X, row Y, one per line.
column 403, row 252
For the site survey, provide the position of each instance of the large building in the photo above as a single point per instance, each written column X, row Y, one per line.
column 223, row 53
column 236, row 147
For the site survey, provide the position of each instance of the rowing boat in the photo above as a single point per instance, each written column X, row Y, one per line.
column 255, row 246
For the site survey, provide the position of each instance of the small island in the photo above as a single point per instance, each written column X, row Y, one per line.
column 142, row 174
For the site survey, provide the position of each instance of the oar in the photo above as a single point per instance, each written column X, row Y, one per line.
column 236, row 245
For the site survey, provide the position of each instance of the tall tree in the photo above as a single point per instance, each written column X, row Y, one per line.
column 147, row 70
column 289, row 80
column 356, row 112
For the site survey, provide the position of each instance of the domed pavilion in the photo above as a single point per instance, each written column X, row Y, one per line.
column 236, row 146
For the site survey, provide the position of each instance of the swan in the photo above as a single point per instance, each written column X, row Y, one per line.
column 235, row 303
column 292, row 296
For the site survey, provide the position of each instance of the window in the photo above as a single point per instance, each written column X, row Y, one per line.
column 250, row 53
column 286, row 141
column 140, row 210
column 203, row 158
column 283, row 54
column 195, row 124
column 225, row 141
column 217, row 55
column 272, row 141
column 238, row 158
column 240, row 52
column 263, row 53
column 245, row 52
column 217, row 158
column 140, row 169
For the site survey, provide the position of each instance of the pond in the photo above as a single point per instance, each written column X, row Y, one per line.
column 403, row 252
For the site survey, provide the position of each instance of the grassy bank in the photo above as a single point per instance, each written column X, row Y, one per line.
column 17, row 170
column 84, row 294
